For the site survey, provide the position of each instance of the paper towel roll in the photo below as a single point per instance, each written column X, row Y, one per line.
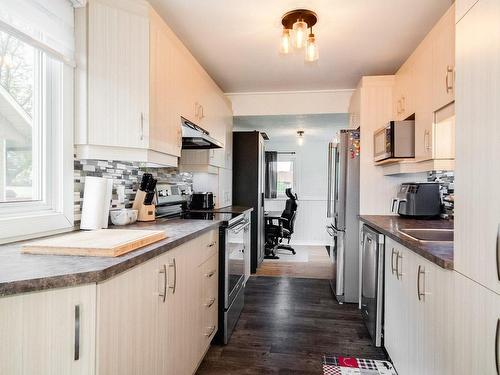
column 96, row 202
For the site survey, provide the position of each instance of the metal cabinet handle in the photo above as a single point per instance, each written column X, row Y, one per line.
column 173, row 265
column 211, row 330
column 142, row 126
column 77, row 333
column 392, row 260
column 210, row 274
column 164, row 272
column 403, row 104
column 421, row 271
column 398, row 106
column 427, row 137
column 210, row 302
column 449, row 86
column 398, row 274
column 196, row 110
column 498, row 252
column 202, row 112
column 497, row 332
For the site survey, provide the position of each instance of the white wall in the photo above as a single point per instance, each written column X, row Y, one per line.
column 311, row 179
column 290, row 102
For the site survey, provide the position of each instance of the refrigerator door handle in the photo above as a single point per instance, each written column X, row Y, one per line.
column 329, row 193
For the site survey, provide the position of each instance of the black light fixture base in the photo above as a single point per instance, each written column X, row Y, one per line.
column 291, row 17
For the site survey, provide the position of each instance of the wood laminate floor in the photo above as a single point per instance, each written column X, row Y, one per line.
column 316, row 265
column 286, row 326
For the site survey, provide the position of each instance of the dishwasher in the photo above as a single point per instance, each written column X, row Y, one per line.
column 372, row 281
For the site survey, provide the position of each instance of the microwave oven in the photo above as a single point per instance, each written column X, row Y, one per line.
column 395, row 140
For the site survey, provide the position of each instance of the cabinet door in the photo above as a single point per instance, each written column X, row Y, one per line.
column 443, row 52
column 391, row 303
column 225, row 187
column 165, row 122
column 118, row 73
column 477, row 207
column 127, row 321
column 48, row 333
column 423, row 101
column 436, row 285
column 178, row 330
column 476, row 327
column 413, row 284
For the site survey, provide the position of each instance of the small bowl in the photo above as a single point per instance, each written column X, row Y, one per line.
column 123, row 216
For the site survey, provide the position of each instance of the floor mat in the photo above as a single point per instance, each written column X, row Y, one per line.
column 336, row 365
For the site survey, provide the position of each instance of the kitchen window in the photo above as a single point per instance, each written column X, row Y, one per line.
column 36, row 131
column 286, row 173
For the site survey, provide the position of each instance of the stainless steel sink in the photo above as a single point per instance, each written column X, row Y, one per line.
column 429, row 235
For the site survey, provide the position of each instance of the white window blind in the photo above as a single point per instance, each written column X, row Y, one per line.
column 46, row 24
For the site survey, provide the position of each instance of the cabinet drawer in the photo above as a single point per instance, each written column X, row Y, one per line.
column 210, row 277
column 209, row 245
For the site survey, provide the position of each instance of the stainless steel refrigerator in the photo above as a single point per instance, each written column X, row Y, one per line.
column 343, row 211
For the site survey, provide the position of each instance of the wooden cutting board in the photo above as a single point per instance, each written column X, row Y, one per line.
column 99, row 243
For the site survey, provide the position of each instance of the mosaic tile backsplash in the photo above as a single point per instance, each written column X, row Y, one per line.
column 447, row 182
column 126, row 178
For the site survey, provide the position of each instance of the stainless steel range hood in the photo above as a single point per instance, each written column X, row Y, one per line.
column 196, row 138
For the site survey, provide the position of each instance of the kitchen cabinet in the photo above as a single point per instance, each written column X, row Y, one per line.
column 418, row 299
column 153, row 318
column 127, row 319
column 165, row 117
column 49, row 332
column 404, row 105
column 112, row 84
column 225, row 196
column 476, row 327
column 477, row 206
column 443, row 56
column 222, row 130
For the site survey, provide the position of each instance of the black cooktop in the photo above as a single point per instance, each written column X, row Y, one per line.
column 227, row 218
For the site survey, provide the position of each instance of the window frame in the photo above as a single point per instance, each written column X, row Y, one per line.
column 54, row 213
column 284, row 158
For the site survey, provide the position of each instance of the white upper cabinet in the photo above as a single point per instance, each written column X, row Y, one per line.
column 443, row 56
column 462, row 7
column 165, row 121
column 118, row 73
column 477, row 203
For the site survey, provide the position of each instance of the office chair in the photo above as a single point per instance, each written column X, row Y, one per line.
column 283, row 229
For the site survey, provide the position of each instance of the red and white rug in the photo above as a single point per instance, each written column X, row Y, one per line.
column 336, row 365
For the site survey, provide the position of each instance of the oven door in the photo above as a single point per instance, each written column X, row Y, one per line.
column 382, row 144
column 235, row 260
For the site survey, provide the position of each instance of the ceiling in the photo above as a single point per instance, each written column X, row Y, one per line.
column 318, row 127
column 237, row 41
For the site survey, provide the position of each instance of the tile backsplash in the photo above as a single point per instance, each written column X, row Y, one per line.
column 447, row 182
column 126, row 178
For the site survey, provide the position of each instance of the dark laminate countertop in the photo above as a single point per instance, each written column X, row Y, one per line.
column 21, row 273
column 440, row 253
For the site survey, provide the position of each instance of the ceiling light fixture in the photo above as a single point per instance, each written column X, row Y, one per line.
column 300, row 135
column 295, row 32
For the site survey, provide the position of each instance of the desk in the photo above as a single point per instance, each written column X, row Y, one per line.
column 272, row 214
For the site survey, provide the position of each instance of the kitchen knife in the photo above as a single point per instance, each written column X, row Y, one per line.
column 150, row 192
column 146, row 178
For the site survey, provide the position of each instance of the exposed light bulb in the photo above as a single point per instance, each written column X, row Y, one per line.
column 299, row 34
column 312, row 53
column 285, row 41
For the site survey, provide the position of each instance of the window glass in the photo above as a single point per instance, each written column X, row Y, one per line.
column 285, row 170
column 20, row 128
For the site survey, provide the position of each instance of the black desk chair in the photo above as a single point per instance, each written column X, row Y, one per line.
column 279, row 229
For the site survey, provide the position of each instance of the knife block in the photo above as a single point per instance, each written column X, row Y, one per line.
column 147, row 213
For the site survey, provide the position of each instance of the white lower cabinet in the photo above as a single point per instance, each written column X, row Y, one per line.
column 418, row 307
column 48, row 333
column 153, row 319
column 476, row 327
